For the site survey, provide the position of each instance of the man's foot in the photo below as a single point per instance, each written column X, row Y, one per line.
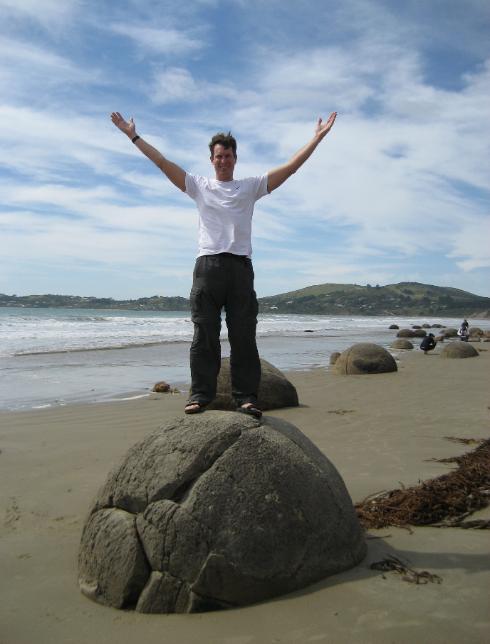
column 194, row 407
column 250, row 409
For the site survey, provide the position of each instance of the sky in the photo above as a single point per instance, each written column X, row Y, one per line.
column 397, row 191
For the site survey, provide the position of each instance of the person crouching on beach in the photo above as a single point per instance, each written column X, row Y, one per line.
column 223, row 273
column 428, row 343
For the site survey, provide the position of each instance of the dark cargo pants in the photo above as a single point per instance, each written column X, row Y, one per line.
column 224, row 280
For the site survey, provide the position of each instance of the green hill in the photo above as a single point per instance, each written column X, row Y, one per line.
column 154, row 303
column 405, row 298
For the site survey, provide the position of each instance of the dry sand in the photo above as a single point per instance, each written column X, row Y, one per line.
column 379, row 431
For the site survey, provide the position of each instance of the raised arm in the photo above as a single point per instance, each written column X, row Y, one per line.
column 277, row 176
column 170, row 169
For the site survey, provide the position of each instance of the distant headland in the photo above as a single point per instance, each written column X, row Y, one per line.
column 405, row 298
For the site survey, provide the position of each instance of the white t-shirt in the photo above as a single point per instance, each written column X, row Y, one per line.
column 225, row 212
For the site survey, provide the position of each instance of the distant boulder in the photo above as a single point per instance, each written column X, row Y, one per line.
column 450, row 332
column 439, row 338
column 405, row 333
column 275, row 390
column 364, row 358
column 426, row 326
column 419, row 333
column 334, row 356
column 393, row 326
column 401, row 343
column 437, row 326
column 161, row 387
column 217, row 511
column 475, row 331
column 416, row 326
column 459, row 350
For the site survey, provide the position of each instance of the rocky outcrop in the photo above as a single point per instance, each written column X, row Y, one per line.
column 214, row 511
column 364, row 358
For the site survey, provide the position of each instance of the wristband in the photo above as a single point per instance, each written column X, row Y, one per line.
column 135, row 138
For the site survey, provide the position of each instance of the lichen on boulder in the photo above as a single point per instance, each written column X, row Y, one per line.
column 215, row 511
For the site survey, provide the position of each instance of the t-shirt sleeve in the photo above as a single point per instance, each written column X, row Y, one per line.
column 191, row 187
column 262, row 187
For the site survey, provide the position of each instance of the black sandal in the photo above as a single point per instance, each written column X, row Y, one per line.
column 194, row 407
column 250, row 410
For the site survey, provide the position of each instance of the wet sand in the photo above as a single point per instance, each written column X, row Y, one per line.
column 380, row 431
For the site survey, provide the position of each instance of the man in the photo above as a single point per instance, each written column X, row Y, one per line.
column 463, row 332
column 428, row 343
column 223, row 274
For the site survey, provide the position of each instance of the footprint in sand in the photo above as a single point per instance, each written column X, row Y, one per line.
column 12, row 514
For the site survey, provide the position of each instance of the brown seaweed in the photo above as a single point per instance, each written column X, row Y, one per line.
column 445, row 500
column 408, row 574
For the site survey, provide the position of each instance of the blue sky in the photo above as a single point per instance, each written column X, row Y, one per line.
column 399, row 190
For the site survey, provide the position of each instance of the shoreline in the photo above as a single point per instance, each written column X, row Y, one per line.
column 58, row 378
column 380, row 431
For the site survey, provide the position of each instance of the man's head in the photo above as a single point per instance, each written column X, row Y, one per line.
column 223, row 155
column 226, row 140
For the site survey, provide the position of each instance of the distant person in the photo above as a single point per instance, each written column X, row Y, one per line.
column 463, row 331
column 428, row 343
column 223, row 273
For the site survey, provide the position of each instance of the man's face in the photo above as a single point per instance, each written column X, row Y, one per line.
column 223, row 161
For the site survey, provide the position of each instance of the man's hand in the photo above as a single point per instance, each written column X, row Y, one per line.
column 322, row 129
column 279, row 175
column 129, row 128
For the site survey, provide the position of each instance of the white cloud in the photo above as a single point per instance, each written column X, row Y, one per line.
column 159, row 40
column 52, row 15
column 176, row 84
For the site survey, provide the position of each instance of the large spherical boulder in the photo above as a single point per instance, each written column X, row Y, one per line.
column 365, row 358
column 401, row 343
column 405, row 333
column 475, row 331
column 419, row 333
column 393, row 326
column 450, row 332
column 459, row 350
column 275, row 390
column 215, row 511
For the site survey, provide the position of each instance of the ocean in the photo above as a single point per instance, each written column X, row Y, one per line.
column 58, row 356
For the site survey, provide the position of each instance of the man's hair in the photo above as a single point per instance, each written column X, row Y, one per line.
column 226, row 140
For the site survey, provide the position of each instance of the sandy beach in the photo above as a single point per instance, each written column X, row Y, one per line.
column 380, row 431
